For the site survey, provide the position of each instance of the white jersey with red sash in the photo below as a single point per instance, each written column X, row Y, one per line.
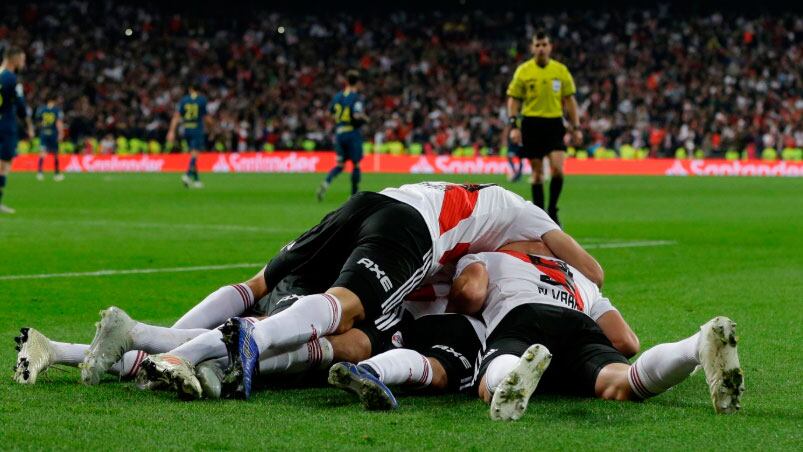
column 470, row 218
column 516, row 278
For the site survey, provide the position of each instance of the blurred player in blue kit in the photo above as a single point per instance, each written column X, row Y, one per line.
column 12, row 105
column 49, row 120
column 191, row 114
column 348, row 108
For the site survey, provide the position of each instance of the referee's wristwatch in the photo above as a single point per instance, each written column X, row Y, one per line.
column 513, row 122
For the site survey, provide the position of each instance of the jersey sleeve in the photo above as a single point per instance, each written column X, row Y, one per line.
column 567, row 87
column 202, row 107
column 467, row 260
column 516, row 87
column 601, row 306
column 22, row 107
column 535, row 222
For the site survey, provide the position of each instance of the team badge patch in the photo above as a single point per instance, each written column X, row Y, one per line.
column 555, row 85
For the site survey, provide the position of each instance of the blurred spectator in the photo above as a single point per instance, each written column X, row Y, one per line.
column 648, row 78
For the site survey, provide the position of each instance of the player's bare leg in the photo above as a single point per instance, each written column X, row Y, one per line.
column 666, row 365
column 40, row 175
column 556, row 164
column 537, row 181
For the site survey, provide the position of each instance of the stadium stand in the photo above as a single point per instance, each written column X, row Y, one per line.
column 674, row 84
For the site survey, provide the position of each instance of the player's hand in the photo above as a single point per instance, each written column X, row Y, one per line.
column 171, row 138
column 515, row 136
column 577, row 137
column 31, row 133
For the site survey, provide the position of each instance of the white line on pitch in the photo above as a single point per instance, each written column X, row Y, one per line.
column 136, row 224
column 132, row 271
column 630, row 244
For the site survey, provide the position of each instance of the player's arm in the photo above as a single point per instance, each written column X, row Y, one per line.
column 619, row 333
column 23, row 112
column 171, row 132
column 60, row 127
column 570, row 107
column 513, row 108
column 469, row 290
column 564, row 247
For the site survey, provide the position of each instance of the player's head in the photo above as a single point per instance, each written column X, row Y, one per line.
column 14, row 58
column 541, row 46
column 193, row 87
column 352, row 78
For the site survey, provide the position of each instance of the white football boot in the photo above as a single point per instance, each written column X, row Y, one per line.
column 34, row 355
column 112, row 339
column 174, row 372
column 720, row 361
column 40, row 176
column 512, row 395
column 186, row 180
column 58, row 177
column 5, row 209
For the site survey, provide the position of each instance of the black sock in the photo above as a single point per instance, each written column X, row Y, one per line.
column 2, row 187
column 555, row 188
column 356, row 175
column 538, row 194
column 40, row 164
column 56, row 163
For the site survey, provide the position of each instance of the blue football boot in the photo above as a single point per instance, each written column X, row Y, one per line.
column 373, row 394
column 243, row 358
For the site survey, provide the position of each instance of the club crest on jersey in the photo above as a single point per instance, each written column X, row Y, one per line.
column 397, row 340
column 380, row 275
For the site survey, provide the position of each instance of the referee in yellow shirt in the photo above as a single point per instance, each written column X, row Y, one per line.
column 541, row 90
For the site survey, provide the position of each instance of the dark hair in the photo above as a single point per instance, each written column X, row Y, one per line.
column 12, row 51
column 193, row 85
column 352, row 76
column 540, row 34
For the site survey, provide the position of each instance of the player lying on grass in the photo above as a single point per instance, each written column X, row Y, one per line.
column 442, row 355
column 543, row 319
column 530, row 301
column 377, row 248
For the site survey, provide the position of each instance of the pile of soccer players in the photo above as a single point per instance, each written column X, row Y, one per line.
column 657, row 78
column 432, row 285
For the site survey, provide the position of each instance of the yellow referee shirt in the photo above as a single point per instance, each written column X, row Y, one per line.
column 541, row 89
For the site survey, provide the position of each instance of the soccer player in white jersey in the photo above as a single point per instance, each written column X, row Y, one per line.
column 547, row 326
column 377, row 248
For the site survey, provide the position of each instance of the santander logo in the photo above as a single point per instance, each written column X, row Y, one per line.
column 736, row 168
column 261, row 163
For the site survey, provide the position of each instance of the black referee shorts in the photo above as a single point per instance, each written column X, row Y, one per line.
column 540, row 136
column 579, row 347
column 375, row 246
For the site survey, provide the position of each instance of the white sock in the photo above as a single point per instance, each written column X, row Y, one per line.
column 217, row 307
column 128, row 366
column 315, row 354
column 159, row 339
column 498, row 370
column 663, row 366
column 73, row 355
column 68, row 354
column 206, row 346
column 401, row 366
column 310, row 317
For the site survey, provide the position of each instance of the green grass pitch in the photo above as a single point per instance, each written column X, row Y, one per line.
column 735, row 249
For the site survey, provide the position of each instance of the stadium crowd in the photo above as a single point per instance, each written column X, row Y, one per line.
column 646, row 78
